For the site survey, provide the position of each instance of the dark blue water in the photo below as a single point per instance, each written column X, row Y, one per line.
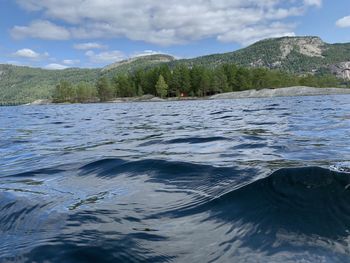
column 256, row 180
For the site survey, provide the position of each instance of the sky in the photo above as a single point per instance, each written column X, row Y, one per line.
column 56, row 34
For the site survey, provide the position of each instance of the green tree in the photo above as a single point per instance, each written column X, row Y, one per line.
column 219, row 81
column 164, row 70
column 150, row 81
column 308, row 80
column 104, row 89
column 161, row 87
column 181, row 80
column 231, row 73
column 139, row 91
column 64, row 92
column 85, row 92
column 196, row 77
column 243, row 79
column 124, row 86
column 204, row 85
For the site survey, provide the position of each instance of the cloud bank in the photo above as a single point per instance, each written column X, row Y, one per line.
column 163, row 22
column 41, row 29
column 90, row 45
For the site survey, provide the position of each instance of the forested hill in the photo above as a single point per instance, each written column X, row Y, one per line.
column 133, row 64
column 295, row 55
column 24, row 84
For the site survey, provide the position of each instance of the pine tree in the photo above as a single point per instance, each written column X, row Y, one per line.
column 124, row 86
column 64, row 92
column 204, row 85
column 104, row 89
column 220, row 82
column 243, row 79
column 139, row 91
column 85, row 92
column 181, row 80
column 161, row 87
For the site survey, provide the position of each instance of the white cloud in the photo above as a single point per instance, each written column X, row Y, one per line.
column 90, row 45
column 146, row 53
column 105, row 57
column 343, row 22
column 71, row 62
column 173, row 21
column 54, row 66
column 26, row 53
column 41, row 29
column 250, row 35
column 30, row 54
column 317, row 3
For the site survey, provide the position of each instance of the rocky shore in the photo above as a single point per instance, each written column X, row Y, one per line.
column 282, row 92
column 264, row 93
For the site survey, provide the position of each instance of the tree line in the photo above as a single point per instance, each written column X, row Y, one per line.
column 181, row 80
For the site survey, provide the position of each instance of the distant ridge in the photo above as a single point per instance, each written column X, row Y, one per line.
column 139, row 61
column 296, row 55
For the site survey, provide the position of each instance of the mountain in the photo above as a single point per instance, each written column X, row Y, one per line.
column 138, row 62
column 296, row 55
column 24, row 84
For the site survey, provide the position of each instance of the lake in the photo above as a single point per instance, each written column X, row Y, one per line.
column 250, row 180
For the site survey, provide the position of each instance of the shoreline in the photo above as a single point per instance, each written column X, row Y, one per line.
column 263, row 93
column 282, row 92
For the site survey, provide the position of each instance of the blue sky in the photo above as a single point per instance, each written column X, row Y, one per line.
column 56, row 34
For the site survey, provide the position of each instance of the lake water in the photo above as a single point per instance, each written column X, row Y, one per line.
column 251, row 180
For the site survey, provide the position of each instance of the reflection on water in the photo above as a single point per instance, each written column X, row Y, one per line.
column 200, row 181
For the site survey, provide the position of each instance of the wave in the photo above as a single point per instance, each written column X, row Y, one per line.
column 309, row 202
column 195, row 140
column 170, row 172
column 187, row 140
column 287, row 211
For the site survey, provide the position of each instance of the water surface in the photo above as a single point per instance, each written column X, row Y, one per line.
column 192, row 181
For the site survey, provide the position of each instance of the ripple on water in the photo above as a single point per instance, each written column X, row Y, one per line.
column 199, row 181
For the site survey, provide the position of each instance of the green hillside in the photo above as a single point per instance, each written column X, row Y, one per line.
column 143, row 62
column 295, row 55
column 20, row 85
column 299, row 55
column 25, row 84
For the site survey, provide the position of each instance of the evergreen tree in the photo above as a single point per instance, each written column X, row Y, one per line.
column 260, row 78
column 181, row 80
column 164, row 70
column 196, row 76
column 204, row 86
column 231, row 73
column 85, row 92
column 196, row 81
column 219, row 82
column 150, row 81
column 161, row 87
column 139, row 91
column 124, row 86
column 243, row 79
column 104, row 89
column 308, row 80
column 64, row 92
